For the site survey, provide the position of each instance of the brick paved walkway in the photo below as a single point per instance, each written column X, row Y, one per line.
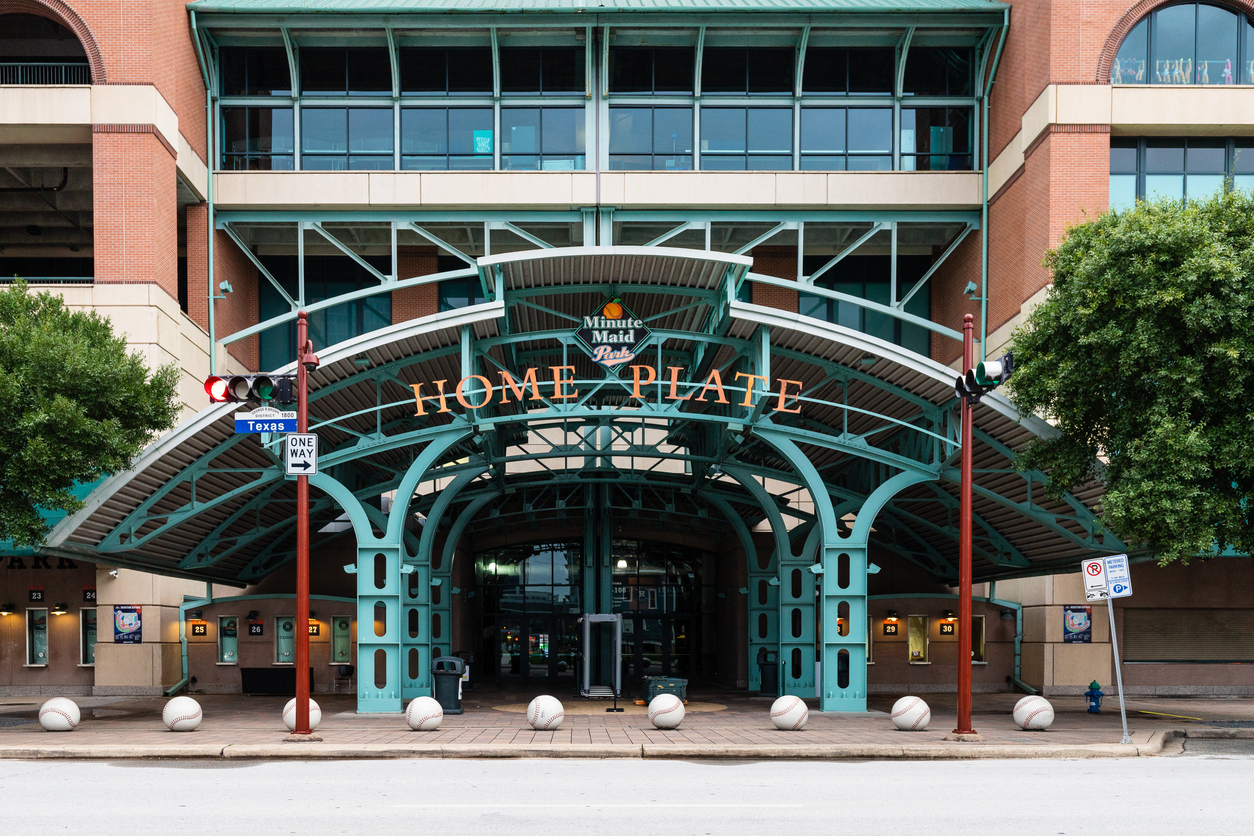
column 493, row 721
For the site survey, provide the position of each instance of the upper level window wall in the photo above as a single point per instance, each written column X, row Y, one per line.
column 651, row 70
column 1179, row 169
column 542, row 70
column 346, row 138
column 1189, row 43
column 747, row 71
column 255, row 71
column 457, row 71
column 848, row 71
column 352, row 71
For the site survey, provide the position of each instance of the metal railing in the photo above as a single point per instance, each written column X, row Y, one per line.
column 45, row 73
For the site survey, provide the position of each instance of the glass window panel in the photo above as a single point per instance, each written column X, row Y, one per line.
column 370, row 130
column 723, row 163
column 317, row 163
column 761, row 162
column 925, row 73
column 1205, row 156
column 672, row 130
column 323, row 129
column 233, row 68
column 672, row 69
column 847, row 313
column 723, row 129
column 1173, row 44
column 276, row 125
column 631, row 130
column 1122, row 191
column 631, row 162
column 369, row 71
column 1164, row 185
column 234, row 129
column 562, row 70
column 1246, row 76
column 826, row 70
column 424, row 130
column 1164, row 155
column 1129, row 66
column 520, row 130
column 520, row 69
column 724, row 70
column 870, row 129
column 770, row 70
column 859, row 163
column 370, row 163
column 323, row 72
column 822, row 129
column 631, row 71
column 1243, row 159
column 470, row 70
column 871, row 71
column 1202, row 186
column 679, row 162
column 822, row 163
column 410, row 163
column 1245, row 182
column 423, row 70
column 476, row 163
column 470, row 132
column 769, row 129
column 1217, row 34
column 562, row 130
column 268, row 72
column 1122, row 156
column 810, row 305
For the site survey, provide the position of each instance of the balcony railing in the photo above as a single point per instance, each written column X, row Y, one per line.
column 44, row 73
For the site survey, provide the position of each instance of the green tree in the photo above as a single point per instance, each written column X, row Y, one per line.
column 1143, row 355
column 74, row 406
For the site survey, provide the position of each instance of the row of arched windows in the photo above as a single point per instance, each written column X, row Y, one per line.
column 1188, row 43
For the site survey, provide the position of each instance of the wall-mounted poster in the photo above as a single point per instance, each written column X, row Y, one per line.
column 128, row 624
column 1077, row 624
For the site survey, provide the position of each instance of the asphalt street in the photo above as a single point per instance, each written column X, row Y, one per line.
column 1205, row 792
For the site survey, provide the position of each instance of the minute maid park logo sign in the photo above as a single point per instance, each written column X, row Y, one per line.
column 613, row 334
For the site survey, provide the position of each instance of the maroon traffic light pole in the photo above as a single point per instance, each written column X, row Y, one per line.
column 306, row 361
column 964, row 549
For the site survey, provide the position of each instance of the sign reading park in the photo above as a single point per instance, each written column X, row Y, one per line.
column 612, row 334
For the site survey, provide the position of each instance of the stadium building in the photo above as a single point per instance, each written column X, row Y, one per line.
column 648, row 308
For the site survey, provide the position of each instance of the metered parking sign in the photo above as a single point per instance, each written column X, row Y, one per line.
column 302, row 454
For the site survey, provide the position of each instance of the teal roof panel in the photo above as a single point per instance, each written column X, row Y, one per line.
column 446, row 6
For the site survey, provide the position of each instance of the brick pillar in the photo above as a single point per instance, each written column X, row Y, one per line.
column 241, row 307
column 414, row 302
column 198, row 264
column 780, row 262
column 134, row 207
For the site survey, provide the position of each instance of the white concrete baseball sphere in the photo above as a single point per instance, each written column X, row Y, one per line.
column 1034, row 714
column 181, row 714
column 59, row 714
column 545, row 713
column 289, row 715
column 790, row 713
column 424, row 714
column 911, row 714
column 666, row 711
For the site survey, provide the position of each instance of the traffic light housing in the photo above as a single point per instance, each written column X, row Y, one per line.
column 252, row 388
column 984, row 378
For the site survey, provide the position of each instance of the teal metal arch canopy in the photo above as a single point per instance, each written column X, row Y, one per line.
column 207, row 503
column 295, row 7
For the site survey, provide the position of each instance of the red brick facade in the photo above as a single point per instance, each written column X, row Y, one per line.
column 780, row 262
column 423, row 300
column 240, row 308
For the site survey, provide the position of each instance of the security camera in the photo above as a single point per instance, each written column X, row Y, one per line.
column 113, row 573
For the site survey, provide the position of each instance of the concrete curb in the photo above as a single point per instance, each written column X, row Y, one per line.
column 1155, row 745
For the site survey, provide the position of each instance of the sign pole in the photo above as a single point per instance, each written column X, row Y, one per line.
column 304, row 350
column 1114, row 647
column 964, row 549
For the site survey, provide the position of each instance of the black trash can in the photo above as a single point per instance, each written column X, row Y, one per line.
column 447, row 672
column 768, row 669
column 469, row 658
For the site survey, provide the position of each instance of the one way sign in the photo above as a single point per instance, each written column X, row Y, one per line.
column 302, row 454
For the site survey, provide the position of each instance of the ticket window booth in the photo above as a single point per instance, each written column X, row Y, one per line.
column 36, row 638
column 285, row 640
column 917, row 639
column 228, row 640
column 341, row 640
column 87, row 636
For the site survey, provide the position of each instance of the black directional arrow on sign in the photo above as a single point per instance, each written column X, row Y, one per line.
column 305, row 465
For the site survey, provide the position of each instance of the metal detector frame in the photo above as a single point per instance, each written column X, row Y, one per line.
column 588, row 619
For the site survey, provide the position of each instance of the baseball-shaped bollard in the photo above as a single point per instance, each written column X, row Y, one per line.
column 181, row 714
column 59, row 714
column 666, row 711
column 911, row 714
column 545, row 713
column 424, row 714
column 289, row 715
column 1034, row 714
column 790, row 713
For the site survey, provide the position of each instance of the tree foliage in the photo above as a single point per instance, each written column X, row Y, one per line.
column 74, row 406
column 1143, row 353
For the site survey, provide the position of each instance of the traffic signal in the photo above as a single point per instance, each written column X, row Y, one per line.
column 260, row 388
column 984, row 378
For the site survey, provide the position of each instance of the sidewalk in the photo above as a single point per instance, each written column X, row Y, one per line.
column 717, row 725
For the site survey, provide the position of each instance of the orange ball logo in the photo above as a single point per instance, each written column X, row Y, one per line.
column 613, row 310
